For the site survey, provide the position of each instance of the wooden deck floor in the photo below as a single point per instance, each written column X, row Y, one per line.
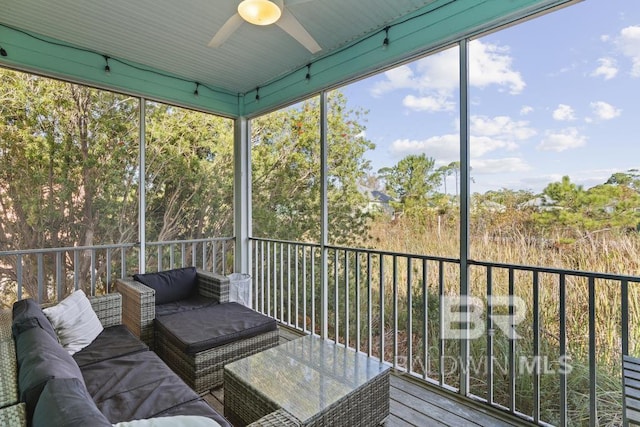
column 414, row 404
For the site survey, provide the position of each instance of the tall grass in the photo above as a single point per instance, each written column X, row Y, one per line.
column 604, row 252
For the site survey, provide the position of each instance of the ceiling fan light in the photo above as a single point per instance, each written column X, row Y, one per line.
column 259, row 12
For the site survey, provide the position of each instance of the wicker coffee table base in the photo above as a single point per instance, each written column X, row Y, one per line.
column 365, row 406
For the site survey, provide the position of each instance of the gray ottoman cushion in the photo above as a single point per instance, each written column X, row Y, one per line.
column 198, row 330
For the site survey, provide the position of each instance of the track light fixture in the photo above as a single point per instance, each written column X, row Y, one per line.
column 385, row 42
column 257, row 94
column 195, row 92
column 107, row 69
column 2, row 51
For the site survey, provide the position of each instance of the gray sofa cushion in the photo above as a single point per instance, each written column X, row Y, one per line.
column 170, row 285
column 41, row 358
column 114, row 341
column 28, row 314
column 135, row 386
column 198, row 330
column 65, row 402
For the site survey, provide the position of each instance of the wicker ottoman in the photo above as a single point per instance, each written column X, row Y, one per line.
column 196, row 344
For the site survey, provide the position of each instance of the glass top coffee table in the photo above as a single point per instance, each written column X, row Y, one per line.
column 307, row 382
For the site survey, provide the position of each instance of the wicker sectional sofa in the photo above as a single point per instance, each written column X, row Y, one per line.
column 195, row 332
column 114, row 379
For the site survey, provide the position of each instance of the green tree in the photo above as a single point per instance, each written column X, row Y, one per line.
column 189, row 174
column 413, row 181
column 67, row 170
column 610, row 205
column 286, row 172
column 69, row 175
column 630, row 179
column 565, row 209
column 445, row 171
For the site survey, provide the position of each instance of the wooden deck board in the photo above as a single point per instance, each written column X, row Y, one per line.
column 414, row 404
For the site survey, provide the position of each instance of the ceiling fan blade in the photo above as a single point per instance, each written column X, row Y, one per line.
column 292, row 2
column 226, row 30
column 291, row 25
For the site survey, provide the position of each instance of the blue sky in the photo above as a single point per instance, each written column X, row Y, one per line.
column 556, row 95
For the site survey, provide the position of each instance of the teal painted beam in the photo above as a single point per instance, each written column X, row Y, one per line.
column 440, row 24
column 45, row 56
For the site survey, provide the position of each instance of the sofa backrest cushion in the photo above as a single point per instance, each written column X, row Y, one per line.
column 41, row 358
column 170, row 285
column 28, row 314
column 75, row 322
column 66, row 402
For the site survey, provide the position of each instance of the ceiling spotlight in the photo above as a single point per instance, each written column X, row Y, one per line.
column 3, row 52
column 259, row 12
column 195, row 92
column 107, row 69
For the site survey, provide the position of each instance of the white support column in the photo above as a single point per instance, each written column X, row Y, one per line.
column 465, row 187
column 242, row 194
column 142, row 189
column 324, row 220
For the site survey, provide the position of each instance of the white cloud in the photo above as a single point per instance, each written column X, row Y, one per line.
column 605, row 111
column 607, row 68
column 564, row 113
column 540, row 181
column 437, row 75
column 502, row 127
column 629, row 44
column 443, row 147
column 526, row 109
column 397, row 78
column 488, row 134
column 493, row 166
column 563, row 140
column 428, row 103
column 590, row 177
column 490, row 64
column 481, row 145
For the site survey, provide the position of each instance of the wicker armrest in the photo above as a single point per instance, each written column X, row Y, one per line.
column 138, row 308
column 6, row 320
column 14, row 415
column 108, row 308
column 8, row 363
column 213, row 285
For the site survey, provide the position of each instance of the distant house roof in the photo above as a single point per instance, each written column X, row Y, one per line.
column 540, row 203
column 380, row 196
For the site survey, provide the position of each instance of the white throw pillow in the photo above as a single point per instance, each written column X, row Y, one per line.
column 174, row 421
column 74, row 321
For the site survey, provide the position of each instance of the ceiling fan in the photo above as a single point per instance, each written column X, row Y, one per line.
column 267, row 12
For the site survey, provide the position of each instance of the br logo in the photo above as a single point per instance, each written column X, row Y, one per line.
column 462, row 316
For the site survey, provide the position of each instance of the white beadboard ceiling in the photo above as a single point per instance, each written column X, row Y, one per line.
column 172, row 35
